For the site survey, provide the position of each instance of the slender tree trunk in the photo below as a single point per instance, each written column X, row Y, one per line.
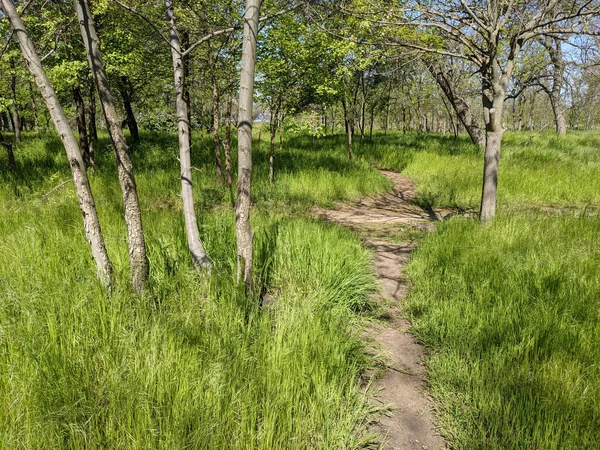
column 5, row 121
column 349, row 127
column 244, row 233
column 554, row 47
column 280, row 122
column 34, row 109
column 215, row 117
column 133, row 216
column 12, row 165
column 125, row 88
column 459, row 105
column 16, row 118
column 273, row 131
column 195, row 246
column 227, row 140
column 80, row 180
column 371, row 121
column 81, row 124
column 185, row 42
column 92, row 129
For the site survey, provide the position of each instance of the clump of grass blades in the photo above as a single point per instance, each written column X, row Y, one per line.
column 195, row 363
column 510, row 315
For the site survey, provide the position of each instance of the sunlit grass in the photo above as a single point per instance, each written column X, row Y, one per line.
column 510, row 314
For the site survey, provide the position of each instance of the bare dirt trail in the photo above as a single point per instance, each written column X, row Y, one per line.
column 408, row 422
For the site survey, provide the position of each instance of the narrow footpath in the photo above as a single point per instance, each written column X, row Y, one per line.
column 408, row 421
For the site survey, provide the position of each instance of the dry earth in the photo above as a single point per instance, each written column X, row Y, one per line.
column 408, row 421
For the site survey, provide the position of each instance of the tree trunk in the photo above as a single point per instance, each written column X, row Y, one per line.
column 459, row 105
column 34, row 109
column 5, row 121
column 349, row 127
column 493, row 104
column 554, row 47
column 273, row 131
column 197, row 251
column 16, row 118
column 185, row 42
column 215, row 117
column 12, row 165
column 244, row 234
column 125, row 88
column 81, row 124
column 92, row 129
column 227, row 140
column 80, row 180
column 133, row 216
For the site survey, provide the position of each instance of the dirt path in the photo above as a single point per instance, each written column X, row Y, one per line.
column 409, row 422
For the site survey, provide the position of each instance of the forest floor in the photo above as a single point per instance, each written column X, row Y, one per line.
column 391, row 224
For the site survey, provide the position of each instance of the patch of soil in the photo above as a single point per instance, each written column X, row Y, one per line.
column 400, row 390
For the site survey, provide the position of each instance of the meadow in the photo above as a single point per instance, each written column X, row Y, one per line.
column 509, row 313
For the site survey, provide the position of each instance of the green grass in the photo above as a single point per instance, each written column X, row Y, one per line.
column 510, row 313
column 195, row 363
column 547, row 171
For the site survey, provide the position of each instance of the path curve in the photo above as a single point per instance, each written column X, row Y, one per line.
column 408, row 422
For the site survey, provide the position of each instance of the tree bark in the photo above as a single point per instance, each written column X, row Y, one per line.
column 493, row 103
column 133, row 216
column 197, row 251
column 92, row 129
column 215, row 116
column 124, row 87
column 273, row 131
column 227, row 140
column 5, row 121
column 349, row 126
column 16, row 118
column 554, row 48
column 81, row 124
column 459, row 105
column 80, row 180
column 185, row 42
column 12, row 165
column 34, row 109
column 244, row 234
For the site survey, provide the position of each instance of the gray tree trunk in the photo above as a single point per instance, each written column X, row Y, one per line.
column 34, row 109
column 81, row 124
column 554, row 48
column 133, row 216
column 92, row 130
column 459, row 105
column 93, row 231
column 16, row 118
column 273, row 130
column 244, row 233
column 215, row 117
column 349, row 121
column 493, row 104
column 197, row 251
column 227, row 140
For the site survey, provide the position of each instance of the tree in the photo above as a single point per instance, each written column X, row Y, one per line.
column 197, row 251
column 490, row 35
column 80, row 180
column 133, row 216
column 244, row 234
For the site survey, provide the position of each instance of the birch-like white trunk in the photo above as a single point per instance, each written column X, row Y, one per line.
column 133, row 216
column 197, row 251
column 244, row 234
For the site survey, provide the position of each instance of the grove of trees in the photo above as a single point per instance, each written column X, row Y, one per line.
column 447, row 67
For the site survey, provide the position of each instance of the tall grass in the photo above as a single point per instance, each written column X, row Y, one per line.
column 544, row 170
column 195, row 363
column 510, row 313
